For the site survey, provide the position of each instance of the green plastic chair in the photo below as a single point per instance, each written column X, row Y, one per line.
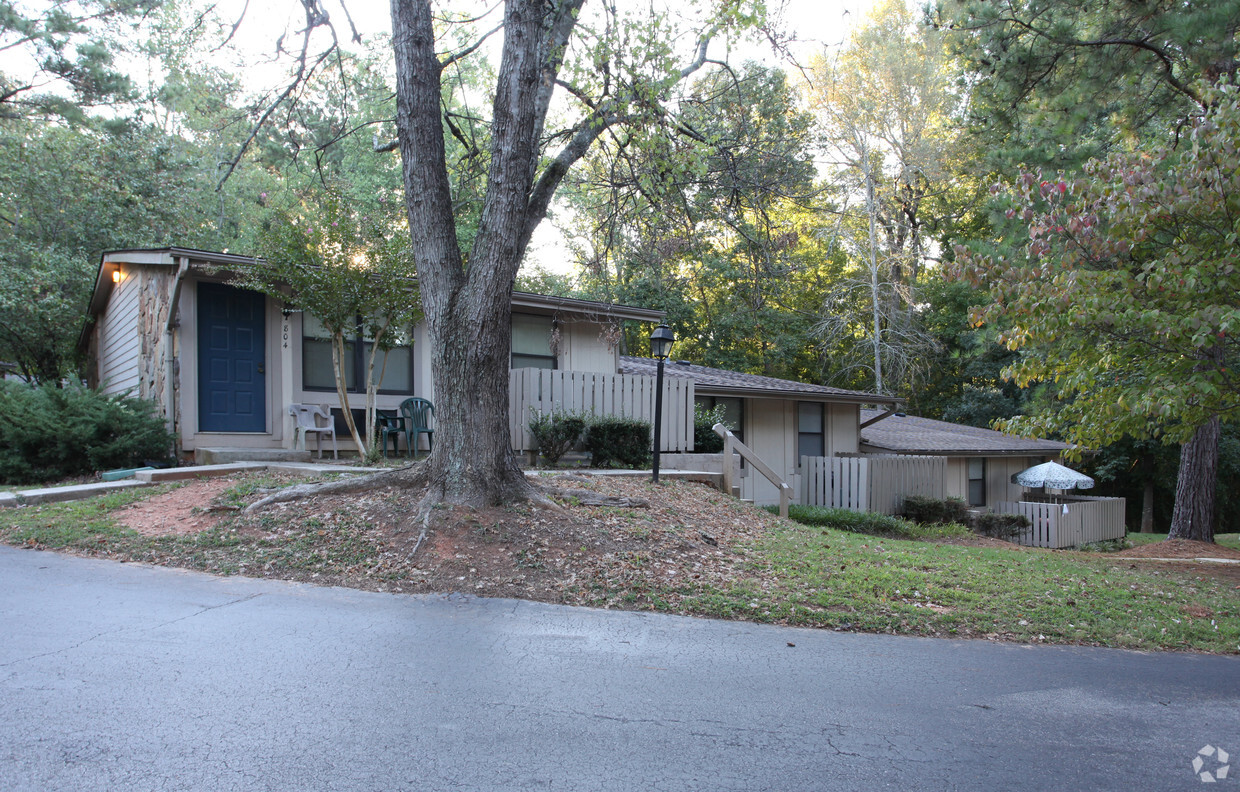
column 389, row 424
column 416, row 414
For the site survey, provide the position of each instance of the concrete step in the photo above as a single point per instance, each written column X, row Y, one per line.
column 226, row 456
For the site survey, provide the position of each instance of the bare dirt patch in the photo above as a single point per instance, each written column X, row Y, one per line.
column 184, row 510
column 1180, row 548
column 574, row 553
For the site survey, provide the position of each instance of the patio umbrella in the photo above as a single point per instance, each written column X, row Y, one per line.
column 1053, row 475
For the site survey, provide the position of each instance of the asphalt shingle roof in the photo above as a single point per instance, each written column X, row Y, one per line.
column 908, row 434
column 713, row 380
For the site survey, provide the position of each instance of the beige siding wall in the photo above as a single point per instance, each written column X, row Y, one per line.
column 999, row 472
column 119, row 340
column 771, row 432
column 583, row 349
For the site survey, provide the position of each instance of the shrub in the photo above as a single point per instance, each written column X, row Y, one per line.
column 1000, row 526
column 871, row 523
column 50, row 433
column 932, row 511
column 555, row 433
column 614, row 441
column 705, row 441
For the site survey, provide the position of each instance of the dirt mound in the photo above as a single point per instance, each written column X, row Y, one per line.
column 1180, row 548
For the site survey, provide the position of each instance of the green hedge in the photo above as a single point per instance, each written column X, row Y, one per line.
column 555, row 433
column 618, row 442
column 705, row 441
column 871, row 523
column 932, row 511
column 50, row 433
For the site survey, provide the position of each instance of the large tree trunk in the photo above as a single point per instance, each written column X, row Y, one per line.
column 1193, row 515
column 468, row 308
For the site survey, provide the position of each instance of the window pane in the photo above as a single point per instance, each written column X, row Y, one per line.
column 809, row 444
column 399, row 373
column 316, row 364
column 532, row 361
column 977, row 492
column 311, row 327
column 809, row 417
column 977, row 468
column 531, row 335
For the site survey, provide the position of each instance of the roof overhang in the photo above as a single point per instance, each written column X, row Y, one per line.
column 589, row 308
column 959, row 452
column 776, row 393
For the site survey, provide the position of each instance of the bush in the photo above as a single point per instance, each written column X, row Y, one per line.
column 1000, row 526
column 555, row 433
column 932, row 511
column 870, row 523
column 50, row 433
column 705, row 441
column 618, row 442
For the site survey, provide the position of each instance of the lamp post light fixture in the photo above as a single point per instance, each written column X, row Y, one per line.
column 661, row 340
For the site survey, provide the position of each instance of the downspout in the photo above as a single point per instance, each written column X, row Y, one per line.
column 170, row 357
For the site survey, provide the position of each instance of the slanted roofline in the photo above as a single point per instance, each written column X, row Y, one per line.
column 173, row 256
column 908, row 434
column 721, row 382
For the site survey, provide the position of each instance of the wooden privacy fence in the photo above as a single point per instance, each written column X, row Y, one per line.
column 1073, row 523
column 838, row 482
column 872, row 483
column 592, row 393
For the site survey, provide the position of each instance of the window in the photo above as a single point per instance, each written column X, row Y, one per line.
column 977, row 482
column 733, row 412
column 316, row 360
column 531, row 341
column 811, row 439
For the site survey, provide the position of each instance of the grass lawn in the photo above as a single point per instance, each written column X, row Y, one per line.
column 773, row 570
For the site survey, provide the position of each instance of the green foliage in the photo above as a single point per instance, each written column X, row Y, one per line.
column 343, row 259
column 555, row 433
column 1059, row 83
column 871, row 523
column 1123, row 299
column 49, row 433
column 932, row 511
column 705, row 441
column 614, row 441
column 1000, row 526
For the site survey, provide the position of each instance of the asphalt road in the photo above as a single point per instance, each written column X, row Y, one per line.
column 127, row 677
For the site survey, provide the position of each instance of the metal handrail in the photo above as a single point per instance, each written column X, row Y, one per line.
column 730, row 444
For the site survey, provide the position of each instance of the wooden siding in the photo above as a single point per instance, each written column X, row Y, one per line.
column 599, row 394
column 873, row 483
column 1076, row 522
column 119, row 341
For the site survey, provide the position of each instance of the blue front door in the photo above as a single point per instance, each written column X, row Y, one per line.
column 232, row 385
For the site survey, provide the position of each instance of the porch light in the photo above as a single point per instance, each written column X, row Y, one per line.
column 661, row 340
column 116, row 275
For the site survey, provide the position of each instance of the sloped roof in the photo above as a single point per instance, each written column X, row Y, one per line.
column 733, row 383
column 908, row 434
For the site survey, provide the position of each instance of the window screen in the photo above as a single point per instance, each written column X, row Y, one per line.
column 531, row 342
column 977, row 482
column 811, row 440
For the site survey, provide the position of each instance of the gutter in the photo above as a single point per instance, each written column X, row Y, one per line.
column 170, row 357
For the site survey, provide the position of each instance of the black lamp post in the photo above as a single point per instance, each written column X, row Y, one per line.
column 661, row 341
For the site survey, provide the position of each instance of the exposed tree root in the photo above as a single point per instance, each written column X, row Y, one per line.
column 409, row 477
column 417, row 476
column 591, row 498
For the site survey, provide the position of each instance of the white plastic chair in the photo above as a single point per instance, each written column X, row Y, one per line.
column 307, row 417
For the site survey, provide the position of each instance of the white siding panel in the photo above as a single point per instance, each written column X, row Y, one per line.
column 119, row 345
